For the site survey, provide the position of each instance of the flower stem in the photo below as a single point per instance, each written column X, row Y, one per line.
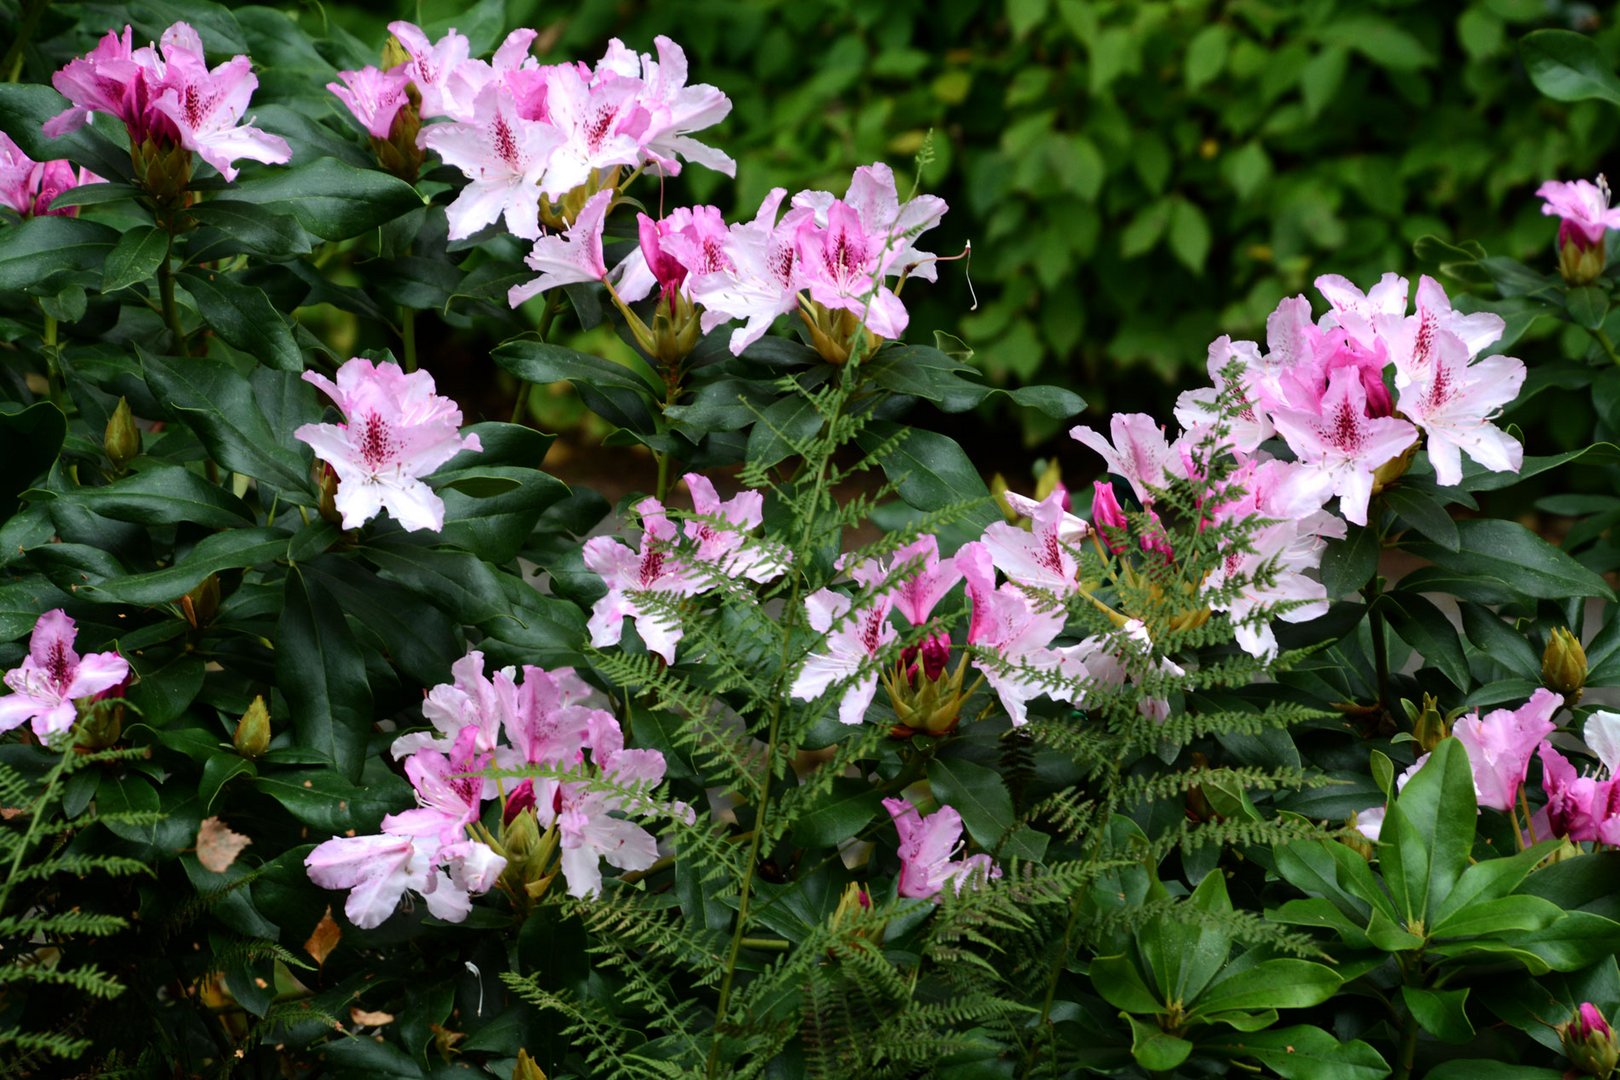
column 39, row 809
column 171, row 314
column 1602, row 339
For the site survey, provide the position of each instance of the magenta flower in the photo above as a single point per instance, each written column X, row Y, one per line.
column 373, row 96
column 918, row 592
column 875, row 198
column 688, row 241
column 573, row 258
column 1583, row 209
column 206, row 106
column 28, row 186
column 1575, row 804
column 655, row 568
column 1501, row 743
column 842, row 264
column 396, row 430
column 53, row 678
column 1340, row 446
column 926, row 847
column 760, row 277
column 853, row 642
column 115, row 79
column 470, row 700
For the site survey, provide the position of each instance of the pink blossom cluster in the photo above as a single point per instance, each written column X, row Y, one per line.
column 927, row 845
column 53, row 680
column 396, row 430
column 1582, row 208
column 521, row 131
column 674, row 563
column 1351, row 395
column 28, row 186
column 585, row 786
column 840, row 254
column 168, row 94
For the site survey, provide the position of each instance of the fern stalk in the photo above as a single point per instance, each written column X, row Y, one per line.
column 33, row 824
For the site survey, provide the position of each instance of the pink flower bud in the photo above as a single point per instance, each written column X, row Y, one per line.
column 1107, row 516
column 936, row 653
column 521, row 799
column 665, row 268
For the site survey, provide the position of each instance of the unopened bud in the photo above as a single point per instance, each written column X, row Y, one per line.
column 526, row 1068
column 1393, row 469
column 1580, row 262
column 393, row 53
column 1563, row 665
column 1589, row 1041
column 1107, row 517
column 122, row 439
column 399, row 154
column 101, row 719
column 1429, row 726
column 936, row 653
column 252, row 736
column 201, row 604
column 521, row 799
column 163, row 168
column 326, row 485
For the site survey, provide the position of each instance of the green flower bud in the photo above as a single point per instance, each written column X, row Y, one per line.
column 1430, row 725
column 201, row 604
column 1563, row 664
column 252, row 737
column 526, row 1068
column 1580, row 263
column 1589, row 1041
column 122, row 439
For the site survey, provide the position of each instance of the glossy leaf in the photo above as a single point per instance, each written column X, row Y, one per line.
column 322, row 673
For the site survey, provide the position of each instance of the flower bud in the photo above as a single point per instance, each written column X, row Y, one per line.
column 1429, row 726
column 201, row 604
column 1589, row 1041
column 399, row 154
column 101, row 719
column 1563, row 665
column 1107, row 517
column 526, row 1068
column 936, row 653
column 521, row 799
column 122, row 439
column 252, row 735
column 1580, row 262
column 326, row 485
column 163, row 168
column 1393, row 469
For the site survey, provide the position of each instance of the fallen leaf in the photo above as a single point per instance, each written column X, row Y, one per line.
column 324, row 938
column 365, row 1018
column 218, row 846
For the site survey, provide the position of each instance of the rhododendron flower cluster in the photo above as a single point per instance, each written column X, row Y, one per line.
column 927, row 845
column 168, row 94
column 28, row 186
column 829, row 258
column 396, row 430
column 717, row 546
column 53, row 679
column 440, row 849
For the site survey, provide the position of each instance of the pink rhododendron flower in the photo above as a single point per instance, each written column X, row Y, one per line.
column 673, row 110
column 723, row 539
column 1453, row 402
column 584, row 811
column 1041, row 557
column 52, row 678
column 1340, row 446
column 505, row 156
column 1583, row 209
column 434, row 68
column 448, row 800
column 1139, row 453
column 1501, row 743
column 599, row 123
column 169, row 93
column 1575, row 803
column 1412, row 339
column 1012, row 638
column 376, row 869
column 396, row 430
column 206, row 106
column 470, row 700
column 875, row 198
column 761, row 277
column 926, row 847
column 842, row 265
column 853, row 642
column 28, row 186
column 688, row 241
column 918, row 592
column 1196, row 409
column 573, row 258
column 373, row 96
column 655, row 568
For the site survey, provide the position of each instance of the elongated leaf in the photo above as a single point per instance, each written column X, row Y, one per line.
column 1505, row 551
column 932, row 472
column 222, row 551
column 1425, row 627
column 30, row 440
column 136, row 257
column 245, row 318
column 332, row 200
column 1437, row 811
column 323, row 674
column 256, row 230
column 223, row 409
column 1305, row 1053
column 1349, row 564
column 462, row 585
column 843, row 812
column 1421, row 510
column 42, row 246
column 980, row 796
column 614, row 391
column 1154, row 1049
column 25, row 107
column 161, row 495
column 1271, row 984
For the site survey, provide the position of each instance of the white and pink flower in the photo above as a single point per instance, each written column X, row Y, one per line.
column 53, row 679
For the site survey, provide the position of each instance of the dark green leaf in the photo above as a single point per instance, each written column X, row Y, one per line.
column 30, row 440
column 1349, row 564
column 1154, row 1049
column 253, row 229
column 1270, row 984
column 160, row 495
column 42, row 246
column 980, row 796
column 1305, row 1053
column 24, row 108
column 136, row 257
column 332, row 200
column 616, row 392
column 244, row 317
column 1423, row 626
column 840, row 814
column 1423, row 512
column 1505, row 551
column 1588, row 305
column 322, row 673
